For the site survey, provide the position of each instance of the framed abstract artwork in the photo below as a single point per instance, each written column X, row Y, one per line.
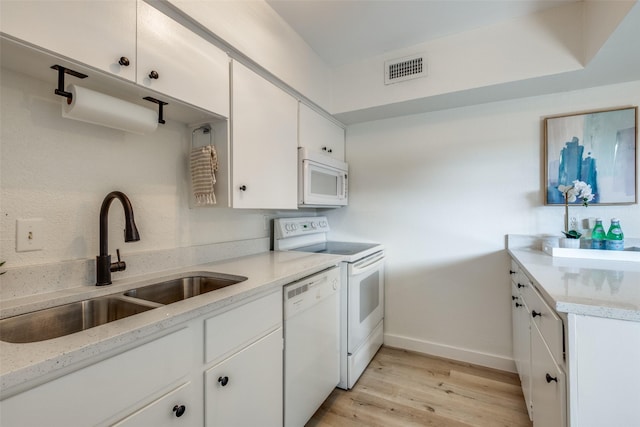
column 599, row 148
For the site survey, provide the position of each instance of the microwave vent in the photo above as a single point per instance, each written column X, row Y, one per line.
column 407, row 68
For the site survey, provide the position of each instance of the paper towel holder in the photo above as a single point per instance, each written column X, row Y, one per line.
column 61, row 72
column 161, row 104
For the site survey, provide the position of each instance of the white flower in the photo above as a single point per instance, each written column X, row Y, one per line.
column 578, row 190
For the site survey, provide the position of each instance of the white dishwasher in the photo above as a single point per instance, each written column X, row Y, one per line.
column 311, row 344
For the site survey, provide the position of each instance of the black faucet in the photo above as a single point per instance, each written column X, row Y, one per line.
column 104, row 266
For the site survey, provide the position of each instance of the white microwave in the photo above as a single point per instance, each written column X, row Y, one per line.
column 322, row 180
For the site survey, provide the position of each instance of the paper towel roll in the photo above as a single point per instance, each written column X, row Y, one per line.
column 94, row 107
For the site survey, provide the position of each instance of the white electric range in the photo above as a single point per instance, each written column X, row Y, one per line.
column 362, row 290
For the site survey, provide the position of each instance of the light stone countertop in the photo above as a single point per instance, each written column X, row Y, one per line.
column 25, row 365
column 588, row 287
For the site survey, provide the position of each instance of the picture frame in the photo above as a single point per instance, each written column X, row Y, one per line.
column 597, row 147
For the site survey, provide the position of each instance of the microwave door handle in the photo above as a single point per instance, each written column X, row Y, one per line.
column 366, row 264
column 344, row 186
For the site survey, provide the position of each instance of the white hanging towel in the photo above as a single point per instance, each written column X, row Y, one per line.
column 204, row 164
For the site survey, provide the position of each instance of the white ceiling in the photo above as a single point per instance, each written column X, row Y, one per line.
column 342, row 31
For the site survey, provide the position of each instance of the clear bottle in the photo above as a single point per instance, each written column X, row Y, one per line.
column 615, row 237
column 598, row 236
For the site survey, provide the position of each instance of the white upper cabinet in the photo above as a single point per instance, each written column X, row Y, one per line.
column 98, row 33
column 318, row 133
column 264, row 131
column 128, row 39
column 177, row 62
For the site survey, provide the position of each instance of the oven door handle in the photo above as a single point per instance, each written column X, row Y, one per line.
column 366, row 264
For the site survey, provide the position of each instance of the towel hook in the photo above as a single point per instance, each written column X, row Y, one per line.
column 206, row 129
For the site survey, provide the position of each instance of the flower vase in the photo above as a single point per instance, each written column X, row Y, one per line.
column 566, row 242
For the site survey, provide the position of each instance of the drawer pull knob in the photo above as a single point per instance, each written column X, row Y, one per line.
column 513, row 297
column 124, row 61
column 519, row 305
column 550, row 378
column 154, row 75
column 512, row 272
column 520, row 286
column 179, row 410
column 223, row 381
column 243, row 188
column 535, row 313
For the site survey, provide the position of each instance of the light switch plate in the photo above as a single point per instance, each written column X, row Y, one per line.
column 29, row 235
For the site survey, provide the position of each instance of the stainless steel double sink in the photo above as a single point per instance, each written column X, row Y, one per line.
column 67, row 319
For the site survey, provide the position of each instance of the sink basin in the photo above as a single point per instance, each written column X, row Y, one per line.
column 66, row 319
column 171, row 291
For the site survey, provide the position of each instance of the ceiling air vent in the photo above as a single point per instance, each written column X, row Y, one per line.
column 407, row 68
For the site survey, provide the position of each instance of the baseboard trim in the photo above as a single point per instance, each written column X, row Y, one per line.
column 449, row 352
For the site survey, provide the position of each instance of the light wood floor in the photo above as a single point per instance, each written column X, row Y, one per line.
column 401, row 388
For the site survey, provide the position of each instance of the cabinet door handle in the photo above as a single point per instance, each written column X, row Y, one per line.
column 512, row 272
column 513, row 298
column 535, row 313
column 243, row 188
column 179, row 410
column 124, row 61
column 223, row 381
column 328, row 150
column 154, row 75
column 550, row 378
column 520, row 286
column 519, row 305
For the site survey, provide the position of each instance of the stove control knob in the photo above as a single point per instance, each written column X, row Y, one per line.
column 323, row 223
column 314, row 225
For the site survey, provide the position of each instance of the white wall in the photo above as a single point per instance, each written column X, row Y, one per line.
column 60, row 170
column 441, row 190
column 257, row 31
column 541, row 44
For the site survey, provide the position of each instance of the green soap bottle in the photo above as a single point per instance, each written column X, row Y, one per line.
column 598, row 236
column 615, row 237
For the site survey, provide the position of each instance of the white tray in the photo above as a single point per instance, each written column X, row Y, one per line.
column 629, row 253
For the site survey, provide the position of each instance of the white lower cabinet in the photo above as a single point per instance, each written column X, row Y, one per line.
column 97, row 394
column 246, row 389
column 173, row 380
column 538, row 351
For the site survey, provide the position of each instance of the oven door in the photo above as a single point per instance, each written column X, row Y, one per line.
column 365, row 298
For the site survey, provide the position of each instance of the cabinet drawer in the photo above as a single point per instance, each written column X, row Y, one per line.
column 230, row 331
column 165, row 411
column 547, row 321
column 98, row 392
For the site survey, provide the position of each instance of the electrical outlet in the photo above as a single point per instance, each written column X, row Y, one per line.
column 29, row 235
